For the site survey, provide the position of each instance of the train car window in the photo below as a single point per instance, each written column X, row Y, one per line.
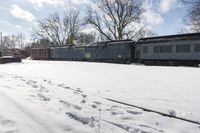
column 169, row 49
column 183, row 48
column 197, row 48
column 145, row 49
column 186, row 48
column 162, row 49
column 156, row 49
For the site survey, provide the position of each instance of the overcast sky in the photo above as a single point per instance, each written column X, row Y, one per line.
column 162, row 16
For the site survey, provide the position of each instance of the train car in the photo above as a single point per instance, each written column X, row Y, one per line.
column 40, row 53
column 121, row 51
column 67, row 53
column 183, row 49
column 110, row 51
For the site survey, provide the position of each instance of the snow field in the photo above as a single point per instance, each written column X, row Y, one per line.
column 45, row 96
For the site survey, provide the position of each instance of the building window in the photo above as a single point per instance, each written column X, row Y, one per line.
column 163, row 49
column 145, row 49
column 182, row 48
column 197, row 47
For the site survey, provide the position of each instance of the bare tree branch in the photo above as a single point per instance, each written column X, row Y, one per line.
column 192, row 19
column 14, row 41
column 59, row 31
column 115, row 17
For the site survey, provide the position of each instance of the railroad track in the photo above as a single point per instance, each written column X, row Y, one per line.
column 154, row 111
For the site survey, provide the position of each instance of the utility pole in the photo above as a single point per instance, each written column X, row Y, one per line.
column 1, row 43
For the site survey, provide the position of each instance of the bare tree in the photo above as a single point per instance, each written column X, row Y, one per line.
column 86, row 38
column 73, row 22
column 114, row 18
column 192, row 18
column 42, row 43
column 57, row 30
column 6, row 42
column 52, row 29
column 20, row 40
column 14, row 41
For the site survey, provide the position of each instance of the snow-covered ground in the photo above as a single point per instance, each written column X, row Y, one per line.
column 59, row 97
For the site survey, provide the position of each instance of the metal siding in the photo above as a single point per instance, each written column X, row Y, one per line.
column 121, row 51
column 171, row 56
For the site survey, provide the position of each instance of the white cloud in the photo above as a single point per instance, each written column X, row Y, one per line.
column 20, row 13
column 79, row 2
column 3, row 8
column 4, row 22
column 40, row 3
column 69, row 3
column 167, row 5
column 18, row 26
column 150, row 16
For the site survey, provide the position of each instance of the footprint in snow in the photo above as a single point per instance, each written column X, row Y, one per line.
column 134, row 112
column 90, row 121
column 96, row 102
column 43, row 89
column 172, row 112
column 81, row 119
column 43, row 98
column 94, row 106
column 7, row 123
column 83, row 101
column 67, row 104
column 50, row 82
column 79, row 90
column 7, row 126
column 84, row 96
column 32, row 83
column 126, row 118
column 114, row 113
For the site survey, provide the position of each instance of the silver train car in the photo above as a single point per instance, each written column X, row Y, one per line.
column 169, row 50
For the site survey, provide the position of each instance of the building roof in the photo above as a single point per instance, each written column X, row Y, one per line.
column 190, row 36
column 110, row 42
